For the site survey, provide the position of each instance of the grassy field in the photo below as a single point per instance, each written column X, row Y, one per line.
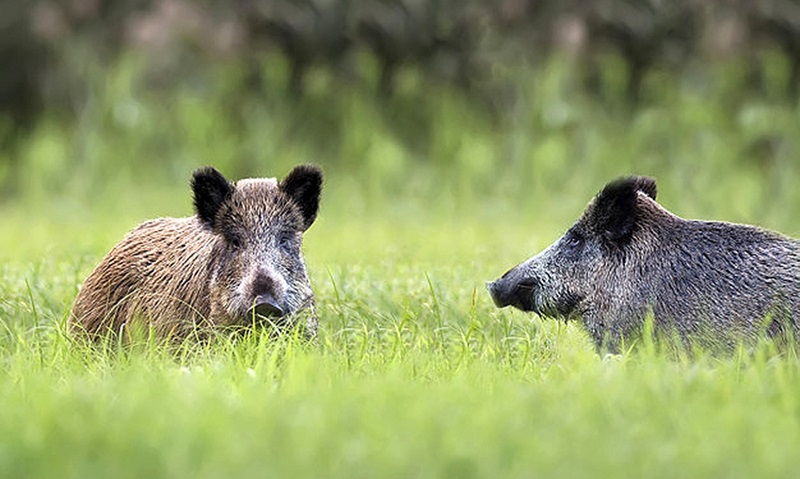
column 414, row 372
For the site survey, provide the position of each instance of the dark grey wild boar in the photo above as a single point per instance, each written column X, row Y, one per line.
column 709, row 284
column 238, row 260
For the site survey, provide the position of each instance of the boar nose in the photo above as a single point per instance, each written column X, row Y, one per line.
column 496, row 291
column 266, row 305
column 514, row 290
column 267, row 302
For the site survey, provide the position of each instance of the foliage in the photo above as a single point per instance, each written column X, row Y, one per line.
column 414, row 372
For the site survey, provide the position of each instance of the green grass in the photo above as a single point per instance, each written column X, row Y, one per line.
column 414, row 372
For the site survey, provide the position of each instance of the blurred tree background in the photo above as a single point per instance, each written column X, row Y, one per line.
column 466, row 104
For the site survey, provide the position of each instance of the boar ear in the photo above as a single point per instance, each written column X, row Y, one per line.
column 210, row 189
column 615, row 210
column 303, row 185
column 646, row 185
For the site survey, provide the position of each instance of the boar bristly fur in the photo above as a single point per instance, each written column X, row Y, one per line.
column 238, row 260
column 713, row 284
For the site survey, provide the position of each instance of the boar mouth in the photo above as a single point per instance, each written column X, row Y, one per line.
column 565, row 308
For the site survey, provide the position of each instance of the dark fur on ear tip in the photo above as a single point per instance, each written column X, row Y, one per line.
column 615, row 209
column 304, row 185
column 211, row 190
column 645, row 184
column 632, row 184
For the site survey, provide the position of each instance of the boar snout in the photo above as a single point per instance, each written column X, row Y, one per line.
column 512, row 291
column 496, row 292
column 267, row 298
column 268, row 307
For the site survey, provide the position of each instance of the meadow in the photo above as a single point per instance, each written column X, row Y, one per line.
column 414, row 372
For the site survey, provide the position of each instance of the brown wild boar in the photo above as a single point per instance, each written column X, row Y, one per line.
column 237, row 261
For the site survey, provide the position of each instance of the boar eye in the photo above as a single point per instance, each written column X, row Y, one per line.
column 286, row 241
column 573, row 241
column 234, row 241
